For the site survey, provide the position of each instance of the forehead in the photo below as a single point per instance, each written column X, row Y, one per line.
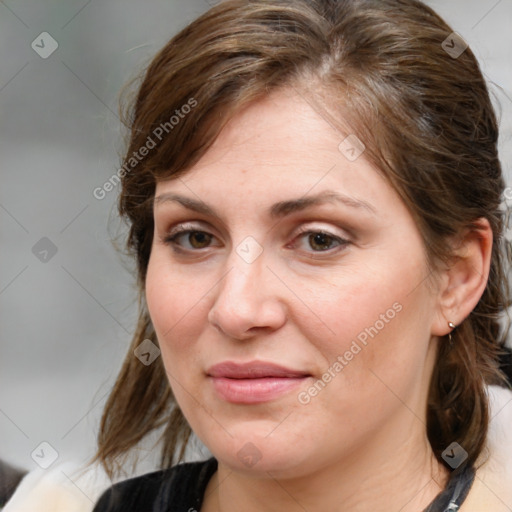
column 281, row 147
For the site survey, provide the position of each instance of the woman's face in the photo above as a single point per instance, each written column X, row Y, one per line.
column 293, row 312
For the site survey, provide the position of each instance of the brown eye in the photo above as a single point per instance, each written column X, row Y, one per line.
column 316, row 243
column 193, row 239
column 199, row 239
column 320, row 241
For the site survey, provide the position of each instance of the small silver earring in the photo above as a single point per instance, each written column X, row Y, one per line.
column 452, row 326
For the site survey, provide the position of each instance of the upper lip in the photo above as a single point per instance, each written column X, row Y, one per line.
column 252, row 370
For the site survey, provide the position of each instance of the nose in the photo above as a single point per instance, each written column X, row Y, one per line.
column 248, row 300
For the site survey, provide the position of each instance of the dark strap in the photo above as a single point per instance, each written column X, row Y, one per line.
column 456, row 491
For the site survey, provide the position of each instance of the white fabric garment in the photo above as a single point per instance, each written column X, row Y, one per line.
column 63, row 488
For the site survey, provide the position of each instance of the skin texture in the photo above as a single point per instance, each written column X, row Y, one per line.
column 361, row 439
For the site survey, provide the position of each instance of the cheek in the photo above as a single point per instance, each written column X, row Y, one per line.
column 177, row 307
column 176, row 304
column 357, row 304
column 374, row 301
column 375, row 362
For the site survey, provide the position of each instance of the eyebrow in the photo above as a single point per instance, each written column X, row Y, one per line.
column 277, row 210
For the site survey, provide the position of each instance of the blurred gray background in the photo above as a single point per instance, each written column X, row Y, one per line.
column 67, row 301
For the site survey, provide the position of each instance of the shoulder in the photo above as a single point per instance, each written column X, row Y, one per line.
column 179, row 488
column 66, row 486
column 492, row 489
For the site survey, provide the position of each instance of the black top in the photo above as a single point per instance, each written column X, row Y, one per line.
column 181, row 489
column 177, row 489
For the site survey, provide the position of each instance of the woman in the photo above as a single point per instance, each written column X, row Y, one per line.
column 313, row 192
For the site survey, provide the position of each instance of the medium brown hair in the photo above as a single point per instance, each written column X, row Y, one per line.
column 427, row 123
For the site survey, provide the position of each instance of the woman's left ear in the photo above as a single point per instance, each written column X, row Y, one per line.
column 462, row 284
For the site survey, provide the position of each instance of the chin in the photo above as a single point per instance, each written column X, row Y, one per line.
column 255, row 455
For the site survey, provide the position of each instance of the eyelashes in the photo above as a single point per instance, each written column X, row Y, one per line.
column 185, row 238
column 319, row 238
column 201, row 239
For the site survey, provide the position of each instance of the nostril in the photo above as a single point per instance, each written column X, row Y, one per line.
column 217, row 327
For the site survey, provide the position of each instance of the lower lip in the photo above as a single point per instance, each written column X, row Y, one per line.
column 253, row 391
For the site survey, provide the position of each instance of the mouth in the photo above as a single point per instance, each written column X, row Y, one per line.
column 254, row 382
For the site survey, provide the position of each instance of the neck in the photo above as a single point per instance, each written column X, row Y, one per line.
column 403, row 476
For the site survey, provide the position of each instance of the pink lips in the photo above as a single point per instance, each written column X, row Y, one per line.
column 253, row 382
